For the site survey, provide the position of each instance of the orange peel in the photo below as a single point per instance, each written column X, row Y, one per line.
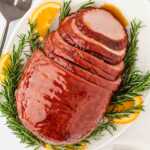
column 5, row 61
column 138, row 101
column 44, row 16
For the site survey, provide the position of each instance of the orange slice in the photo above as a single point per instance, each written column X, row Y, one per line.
column 126, row 120
column 138, row 101
column 116, row 12
column 5, row 61
column 48, row 147
column 82, row 147
column 44, row 16
column 121, row 107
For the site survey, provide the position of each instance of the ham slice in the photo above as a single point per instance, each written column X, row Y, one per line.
column 101, row 25
column 81, row 58
column 80, row 71
column 57, row 106
column 110, row 85
column 71, row 34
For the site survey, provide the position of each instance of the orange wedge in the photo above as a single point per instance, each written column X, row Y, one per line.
column 82, row 147
column 121, row 107
column 44, row 16
column 126, row 120
column 138, row 101
column 5, row 61
column 48, row 147
column 116, row 12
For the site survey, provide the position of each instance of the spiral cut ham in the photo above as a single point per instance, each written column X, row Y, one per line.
column 65, row 89
column 52, row 102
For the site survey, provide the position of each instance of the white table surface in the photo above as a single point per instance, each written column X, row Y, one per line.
column 137, row 136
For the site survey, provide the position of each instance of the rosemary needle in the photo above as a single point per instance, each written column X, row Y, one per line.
column 87, row 4
column 134, row 81
column 65, row 10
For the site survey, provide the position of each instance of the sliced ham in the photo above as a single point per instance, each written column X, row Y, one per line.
column 71, row 34
column 57, row 106
column 110, row 85
column 81, row 58
column 79, row 71
column 101, row 25
column 65, row 89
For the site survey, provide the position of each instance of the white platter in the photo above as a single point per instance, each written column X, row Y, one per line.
column 139, row 9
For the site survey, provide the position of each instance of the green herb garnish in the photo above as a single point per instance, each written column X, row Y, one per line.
column 113, row 114
column 33, row 38
column 87, row 4
column 8, row 100
column 134, row 81
column 65, row 10
column 105, row 125
column 69, row 147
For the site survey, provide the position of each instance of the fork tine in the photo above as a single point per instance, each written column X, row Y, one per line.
column 23, row 4
column 17, row 13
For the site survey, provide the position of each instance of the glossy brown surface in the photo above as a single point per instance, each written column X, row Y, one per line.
column 101, row 25
column 56, row 105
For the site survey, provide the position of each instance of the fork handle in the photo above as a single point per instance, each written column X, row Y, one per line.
column 4, row 37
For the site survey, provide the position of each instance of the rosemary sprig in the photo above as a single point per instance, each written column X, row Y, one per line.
column 134, row 81
column 87, row 4
column 65, row 10
column 69, row 147
column 105, row 125
column 113, row 114
column 33, row 37
column 132, row 50
column 8, row 103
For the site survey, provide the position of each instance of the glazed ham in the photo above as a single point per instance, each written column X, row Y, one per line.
column 71, row 63
column 103, row 27
column 71, row 33
column 65, row 89
column 55, row 44
column 56, row 105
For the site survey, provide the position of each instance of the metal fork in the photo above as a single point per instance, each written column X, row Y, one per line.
column 12, row 10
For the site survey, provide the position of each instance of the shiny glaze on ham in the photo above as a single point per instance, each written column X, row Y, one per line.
column 54, row 43
column 56, row 105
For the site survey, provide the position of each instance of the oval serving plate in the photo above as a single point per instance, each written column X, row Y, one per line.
column 139, row 11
